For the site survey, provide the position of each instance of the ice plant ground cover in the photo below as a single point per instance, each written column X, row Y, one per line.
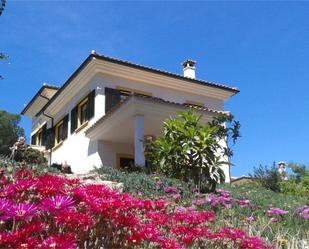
column 50, row 211
column 280, row 219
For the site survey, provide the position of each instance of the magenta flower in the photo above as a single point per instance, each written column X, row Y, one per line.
column 5, row 206
column 273, row 219
column 276, row 211
column 57, row 203
column 176, row 196
column 60, row 242
column 302, row 212
column 243, row 203
column 170, row 190
column 250, row 219
column 23, row 211
column 159, row 184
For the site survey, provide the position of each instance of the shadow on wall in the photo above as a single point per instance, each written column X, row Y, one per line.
column 108, row 152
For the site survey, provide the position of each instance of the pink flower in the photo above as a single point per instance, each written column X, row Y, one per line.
column 23, row 211
column 23, row 173
column 170, row 190
column 57, row 203
column 243, row 203
column 72, row 219
column 159, row 184
column 5, row 207
column 306, row 216
column 276, row 211
column 250, row 219
column 176, row 196
column 273, row 219
column 60, row 242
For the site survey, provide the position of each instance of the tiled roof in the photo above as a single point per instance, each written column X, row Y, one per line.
column 130, row 64
column 45, row 85
column 138, row 66
column 152, row 99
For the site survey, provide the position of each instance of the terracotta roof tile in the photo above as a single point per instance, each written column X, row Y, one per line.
column 155, row 70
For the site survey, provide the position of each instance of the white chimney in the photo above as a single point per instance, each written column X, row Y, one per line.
column 189, row 68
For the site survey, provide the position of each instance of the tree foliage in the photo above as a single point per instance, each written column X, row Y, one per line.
column 31, row 156
column 298, row 169
column 269, row 178
column 9, row 131
column 228, row 130
column 2, row 5
column 189, row 150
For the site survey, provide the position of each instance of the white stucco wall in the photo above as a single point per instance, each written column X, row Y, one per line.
column 81, row 153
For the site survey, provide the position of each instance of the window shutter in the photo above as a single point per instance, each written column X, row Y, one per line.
column 65, row 127
column 33, row 139
column 44, row 135
column 112, row 98
column 74, row 119
column 50, row 138
column 90, row 105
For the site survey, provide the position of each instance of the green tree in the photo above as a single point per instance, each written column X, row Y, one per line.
column 299, row 169
column 9, row 131
column 188, row 150
column 228, row 130
column 268, row 178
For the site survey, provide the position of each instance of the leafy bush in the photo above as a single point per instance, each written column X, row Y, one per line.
column 9, row 130
column 189, row 150
column 269, row 178
column 30, row 156
column 295, row 187
column 8, row 167
column 142, row 184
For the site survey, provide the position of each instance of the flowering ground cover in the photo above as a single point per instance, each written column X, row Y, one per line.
column 50, row 211
column 280, row 219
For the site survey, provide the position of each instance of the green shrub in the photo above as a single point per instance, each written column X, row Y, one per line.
column 10, row 167
column 189, row 150
column 30, row 156
column 269, row 178
column 139, row 183
column 295, row 187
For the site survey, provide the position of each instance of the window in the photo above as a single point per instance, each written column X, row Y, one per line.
column 39, row 137
column 116, row 96
column 61, row 130
column 124, row 161
column 82, row 112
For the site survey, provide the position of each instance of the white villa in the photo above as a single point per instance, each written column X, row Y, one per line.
column 103, row 112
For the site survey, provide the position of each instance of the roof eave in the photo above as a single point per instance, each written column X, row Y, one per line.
column 38, row 94
column 68, row 81
column 126, row 63
column 197, row 81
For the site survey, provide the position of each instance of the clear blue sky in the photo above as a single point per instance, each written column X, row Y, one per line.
column 260, row 47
